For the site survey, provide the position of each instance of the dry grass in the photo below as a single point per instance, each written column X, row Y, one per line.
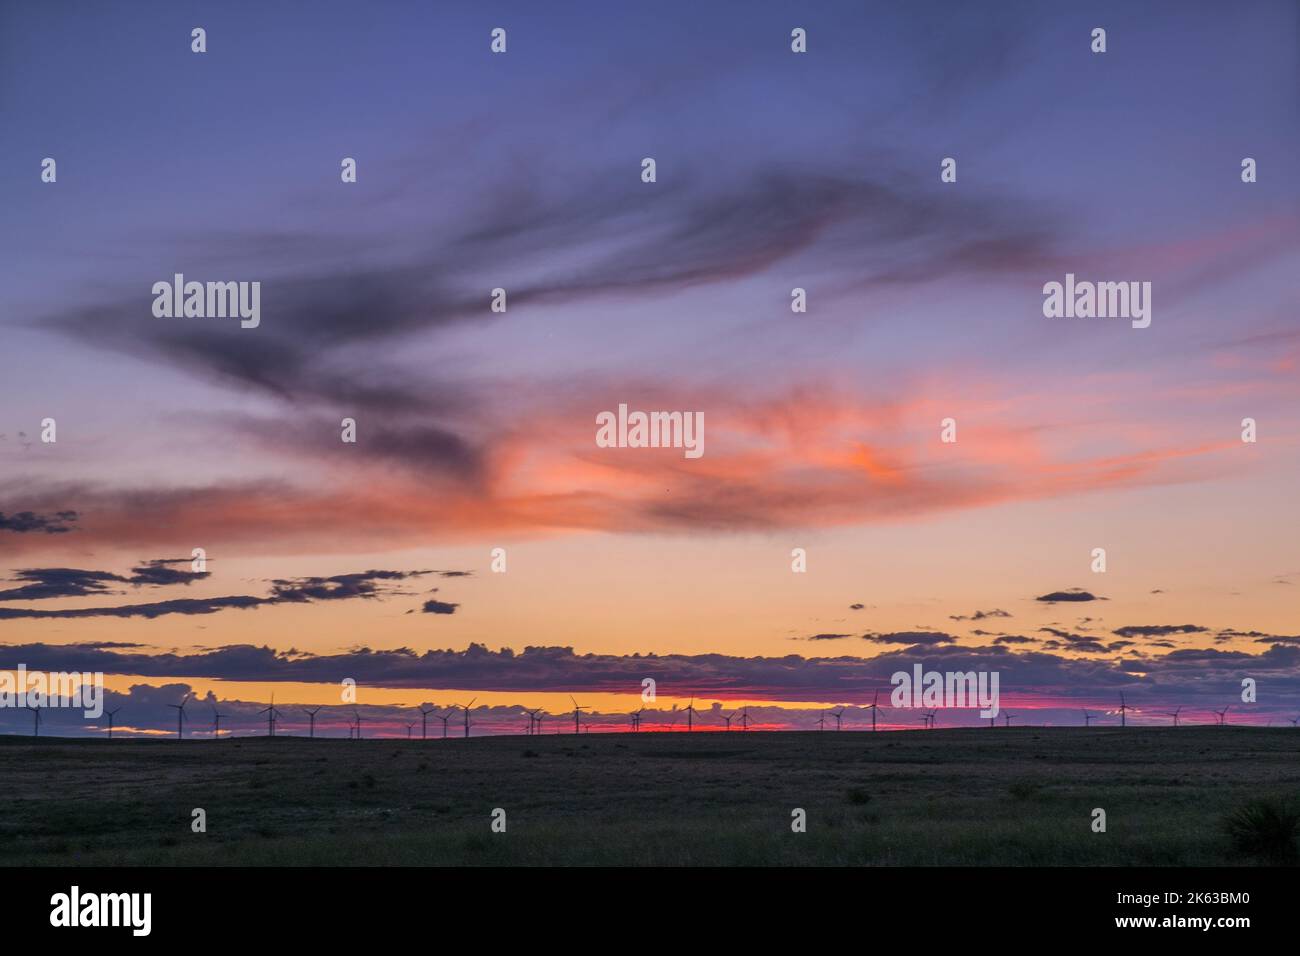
column 1018, row 796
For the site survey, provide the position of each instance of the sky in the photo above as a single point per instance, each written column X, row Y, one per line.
column 372, row 561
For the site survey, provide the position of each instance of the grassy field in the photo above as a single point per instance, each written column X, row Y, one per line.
column 1017, row 796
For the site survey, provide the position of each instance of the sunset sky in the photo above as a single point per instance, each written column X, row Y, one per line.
column 476, row 430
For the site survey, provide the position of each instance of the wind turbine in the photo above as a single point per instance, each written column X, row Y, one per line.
column 1009, row 718
column 1294, row 721
column 744, row 719
column 540, row 714
column 1123, row 710
column 424, row 721
column 1174, row 714
column 410, row 729
column 577, row 715
column 1222, row 715
column 216, row 723
column 821, row 721
column 357, row 714
column 112, row 713
column 1088, row 719
column 444, row 718
column 311, row 715
column 727, row 718
column 636, row 719
column 180, row 716
column 838, row 715
column 467, row 707
column 36, row 724
column 690, row 715
column 272, row 714
column 872, row 708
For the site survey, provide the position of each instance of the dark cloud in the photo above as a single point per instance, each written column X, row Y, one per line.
column 159, row 573
column 911, row 637
column 29, row 522
column 362, row 584
column 979, row 615
column 856, row 607
column 1015, row 639
column 826, row 637
column 152, row 610
column 439, row 607
column 1072, row 594
column 1193, row 677
column 1157, row 630
column 65, row 582
column 41, row 584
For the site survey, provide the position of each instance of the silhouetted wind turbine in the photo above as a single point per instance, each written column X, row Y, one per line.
column 744, row 719
column 424, row 721
column 311, row 716
column 113, row 713
column 180, row 716
column 272, row 714
column 1009, row 718
column 444, row 718
column 540, row 715
column 1294, row 721
column 838, row 715
column 872, row 708
column 1123, row 710
column 36, row 723
column 1222, row 715
column 1174, row 714
column 727, row 718
column 410, row 729
column 467, row 707
column 216, row 723
column 357, row 715
column 1088, row 719
column 577, row 715
column 690, row 715
column 821, row 721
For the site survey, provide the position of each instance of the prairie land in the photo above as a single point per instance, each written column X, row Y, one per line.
column 1005, row 796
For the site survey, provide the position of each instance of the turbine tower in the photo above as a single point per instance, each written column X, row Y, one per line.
column 311, row 715
column 272, row 714
column 424, row 721
column 113, row 713
column 180, row 716
column 577, row 715
column 216, row 723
